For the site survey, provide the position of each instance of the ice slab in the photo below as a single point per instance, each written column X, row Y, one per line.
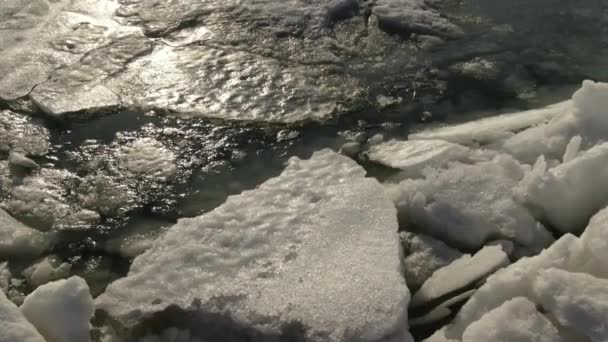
column 491, row 129
column 13, row 326
column 61, row 310
column 460, row 274
column 316, row 246
column 413, row 156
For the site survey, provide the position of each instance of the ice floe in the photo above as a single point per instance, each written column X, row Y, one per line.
column 316, row 246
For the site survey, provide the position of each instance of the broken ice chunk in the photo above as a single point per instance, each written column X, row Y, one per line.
column 515, row 320
column 577, row 300
column 569, row 194
column 423, row 256
column 61, row 310
column 17, row 239
column 468, row 205
column 276, row 256
column 13, row 326
column 413, row 156
column 460, row 274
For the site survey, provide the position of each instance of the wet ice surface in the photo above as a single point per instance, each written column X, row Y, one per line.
column 119, row 118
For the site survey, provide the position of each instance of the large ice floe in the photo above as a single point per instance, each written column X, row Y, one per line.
column 310, row 255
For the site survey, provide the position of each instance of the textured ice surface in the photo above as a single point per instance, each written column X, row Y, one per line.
column 17, row 239
column 42, row 200
column 423, row 256
column 406, row 17
column 20, row 133
column 562, row 292
column 61, row 310
column 461, row 273
column 468, row 205
column 413, row 156
column 147, row 156
column 13, row 326
column 515, row 320
column 569, row 194
column 317, row 245
column 577, row 300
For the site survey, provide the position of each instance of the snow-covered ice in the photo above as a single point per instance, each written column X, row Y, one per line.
column 61, row 310
column 546, row 280
column 317, row 245
column 423, row 256
column 467, row 205
column 578, row 301
column 568, row 195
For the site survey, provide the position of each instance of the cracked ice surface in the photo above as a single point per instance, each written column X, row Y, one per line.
column 317, row 245
column 246, row 60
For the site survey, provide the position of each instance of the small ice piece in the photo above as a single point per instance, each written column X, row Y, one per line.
column 468, row 205
column 48, row 269
column 414, row 155
column 5, row 277
column 423, row 256
column 442, row 310
column 577, row 300
column 316, row 246
column 42, row 199
column 460, row 274
column 147, row 157
column 21, row 134
column 351, row 148
column 569, row 194
column 493, row 128
column 17, row 239
column 406, row 17
column 573, row 148
column 376, row 139
column 515, row 320
column 13, row 326
column 61, row 310
column 19, row 159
